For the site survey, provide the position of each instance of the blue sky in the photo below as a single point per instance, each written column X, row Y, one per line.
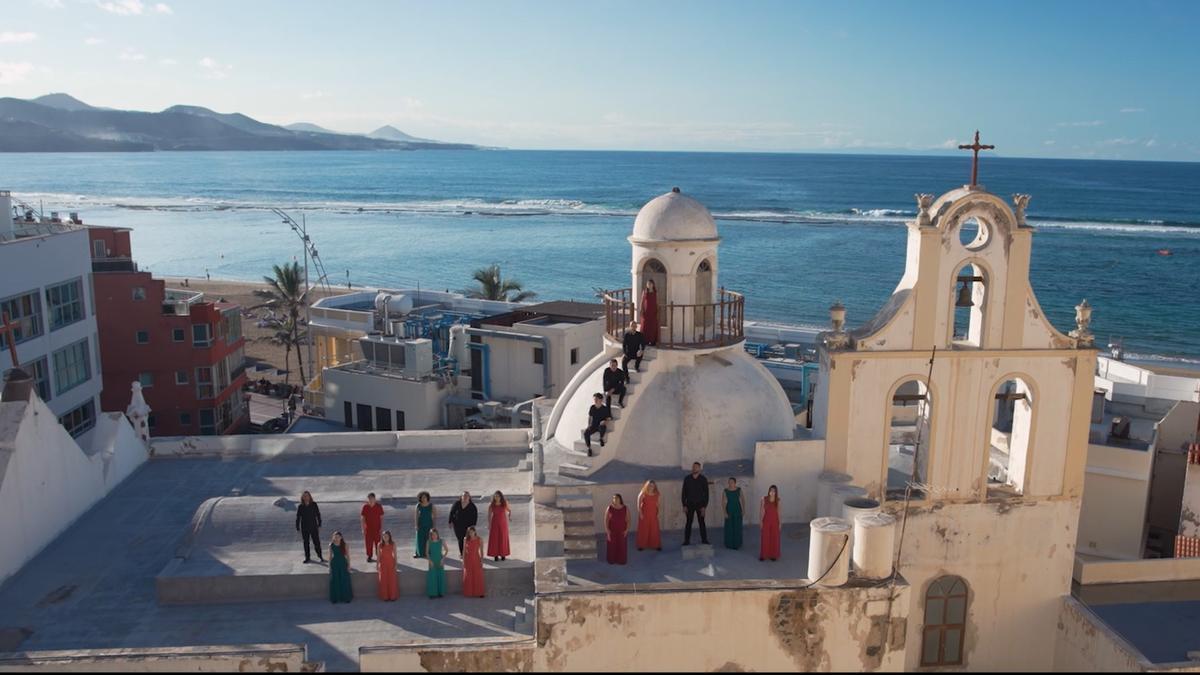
column 1041, row 79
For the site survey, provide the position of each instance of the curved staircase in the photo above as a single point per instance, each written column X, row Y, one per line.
column 581, row 466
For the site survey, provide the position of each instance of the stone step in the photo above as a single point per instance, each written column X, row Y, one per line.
column 580, row 448
column 580, row 555
column 577, row 516
column 579, row 529
column 574, row 490
column 573, row 469
column 579, row 545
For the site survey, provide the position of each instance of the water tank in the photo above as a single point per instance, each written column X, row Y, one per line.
column 839, row 495
column 458, row 349
column 395, row 304
column 874, row 545
column 825, row 484
column 829, row 552
column 856, row 506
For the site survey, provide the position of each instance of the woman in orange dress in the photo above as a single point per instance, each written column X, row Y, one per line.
column 648, row 535
column 649, row 315
column 498, row 515
column 768, row 548
column 389, row 584
column 472, row 565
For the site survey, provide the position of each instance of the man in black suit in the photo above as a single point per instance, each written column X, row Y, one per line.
column 633, row 344
column 614, row 383
column 695, row 498
column 598, row 416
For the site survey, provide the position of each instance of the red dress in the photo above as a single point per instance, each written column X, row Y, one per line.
column 618, row 548
column 473, row 568
column 650, row 317
column 497, row 531
column 769, row 546
column 647, row 533
column 389, row 585
column 372, row 526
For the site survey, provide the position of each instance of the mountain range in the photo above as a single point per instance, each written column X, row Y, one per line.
column 62, row 123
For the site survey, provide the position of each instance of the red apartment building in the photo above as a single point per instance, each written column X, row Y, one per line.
column 187, row 352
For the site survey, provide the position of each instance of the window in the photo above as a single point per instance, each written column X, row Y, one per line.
column 139, row 293
column 399, row 420
column 40, row 372
column 178, row 335
column 181, row 377
column 1009, row 436
column 152, row 421
column 233, row 321
column 143, row 337
column 201, row 335
column 348, row 413
column 72, row 367
column 539, row 356
column 146, row 380
column 208, row 422
column 99, row 250
column 574, row 356
column 80, row 419
column 383, row 419
column 26, row 312
column 64, row 303
column 204, row 385
column 185, row 419
column 945, row 622
column 363, row 414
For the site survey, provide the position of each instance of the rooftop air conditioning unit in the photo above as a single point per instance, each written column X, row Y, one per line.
column 1120, row 428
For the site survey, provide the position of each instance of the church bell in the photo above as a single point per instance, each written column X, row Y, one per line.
column 964, row 294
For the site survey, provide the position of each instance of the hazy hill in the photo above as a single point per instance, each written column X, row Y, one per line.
column 391, row 133
column 307, row 126
column 61, row 123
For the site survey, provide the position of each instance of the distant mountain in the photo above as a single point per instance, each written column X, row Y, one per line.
column 306, row 126
column 61, row 123
column 391, row 133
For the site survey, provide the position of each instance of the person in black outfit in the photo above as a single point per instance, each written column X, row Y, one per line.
column 597, row 416
column 633, row 344
column 695, row 498
column 308, row 523
column 614, row 383
column 462, row 516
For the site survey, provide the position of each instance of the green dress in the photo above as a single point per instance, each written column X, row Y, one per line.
column 733, row 518
column 435, row 579
column 340, row 589
column 424, row 525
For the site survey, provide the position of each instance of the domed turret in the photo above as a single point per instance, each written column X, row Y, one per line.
column 674, row 217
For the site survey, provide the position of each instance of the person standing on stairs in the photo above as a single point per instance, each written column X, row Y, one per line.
column 614, row 384
column 633, row 344
column 598, row 416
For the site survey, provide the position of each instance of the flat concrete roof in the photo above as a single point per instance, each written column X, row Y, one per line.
column 1164, row 632
column 94, row 586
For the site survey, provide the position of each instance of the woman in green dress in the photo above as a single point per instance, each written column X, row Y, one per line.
column 435, row 579
column 734, row 505
column 340, row 589
column 424, row 521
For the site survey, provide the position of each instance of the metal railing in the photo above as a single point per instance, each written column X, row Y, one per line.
column 695, row 326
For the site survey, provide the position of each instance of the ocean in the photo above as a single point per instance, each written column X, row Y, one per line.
column 799, row 230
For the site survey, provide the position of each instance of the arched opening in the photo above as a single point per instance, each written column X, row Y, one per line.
column 968, row 300
column 704, row 298
column 1010, row 433
column 973, row 234
column 653, row 270
column 945, row 622
column 909, row 432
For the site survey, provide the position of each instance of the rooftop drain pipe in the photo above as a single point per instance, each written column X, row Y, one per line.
column 528, row 337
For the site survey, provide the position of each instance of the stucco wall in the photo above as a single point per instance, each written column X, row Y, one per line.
column 47, row 481
column 269, row 658
column 1086, row 644
column 1116, row 487
column 453, row 440
column 421, row 401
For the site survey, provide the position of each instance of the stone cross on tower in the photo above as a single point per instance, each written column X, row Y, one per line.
column 975, row 148
column 138, row 413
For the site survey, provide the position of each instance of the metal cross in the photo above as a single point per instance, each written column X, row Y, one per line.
column 9, row 329
column 975, row 148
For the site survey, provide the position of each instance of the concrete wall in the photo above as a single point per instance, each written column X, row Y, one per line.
column 1087, row 644
column 1089, row 572
column 47, row 481
column 793, row 467
column 421, row 400
column 1129, row 382
column 514, row 375
column 689, row 630
column 266, row 658
column 1116, row 488
column 456, row 440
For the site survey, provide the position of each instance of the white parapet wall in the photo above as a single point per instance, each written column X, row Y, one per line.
column 263, row 658
column 268, row 445
column 47, row 480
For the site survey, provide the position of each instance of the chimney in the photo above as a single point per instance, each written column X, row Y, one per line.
column 6, row 212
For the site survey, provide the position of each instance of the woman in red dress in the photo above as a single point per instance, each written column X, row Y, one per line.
column 498, row 515
column 472, row 565
column 389, row 585
column 616, row 526
column 649, row 313
column 648, row 533
column 769, row 539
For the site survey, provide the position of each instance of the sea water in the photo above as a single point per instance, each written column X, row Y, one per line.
column 799, row 231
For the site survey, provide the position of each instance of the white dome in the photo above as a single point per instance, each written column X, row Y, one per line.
column 674, row 217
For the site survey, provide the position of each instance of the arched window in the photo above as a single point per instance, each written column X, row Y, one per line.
column 945, row 622
column 909, row 434
column 1009, row 436
column 968, row 300
column 704, row 297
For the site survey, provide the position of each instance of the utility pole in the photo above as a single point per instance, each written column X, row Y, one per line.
column 307, row 301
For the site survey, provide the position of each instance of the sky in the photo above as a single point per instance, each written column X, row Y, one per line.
column 1094, row 79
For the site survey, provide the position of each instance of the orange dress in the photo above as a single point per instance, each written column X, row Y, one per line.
column 389, row 584
column 647, row 533
column 473, row 568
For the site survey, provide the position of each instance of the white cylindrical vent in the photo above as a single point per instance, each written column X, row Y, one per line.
column 874, row 545
column 825, row 484
column 829, row 552
column 839, row 495
column 853, row 507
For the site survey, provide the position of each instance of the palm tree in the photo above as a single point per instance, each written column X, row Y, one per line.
column 283, row 337
column 286, row 293
column 492, row 286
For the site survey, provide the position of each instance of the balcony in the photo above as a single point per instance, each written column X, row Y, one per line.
column 114, row 265
column 700, row 326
